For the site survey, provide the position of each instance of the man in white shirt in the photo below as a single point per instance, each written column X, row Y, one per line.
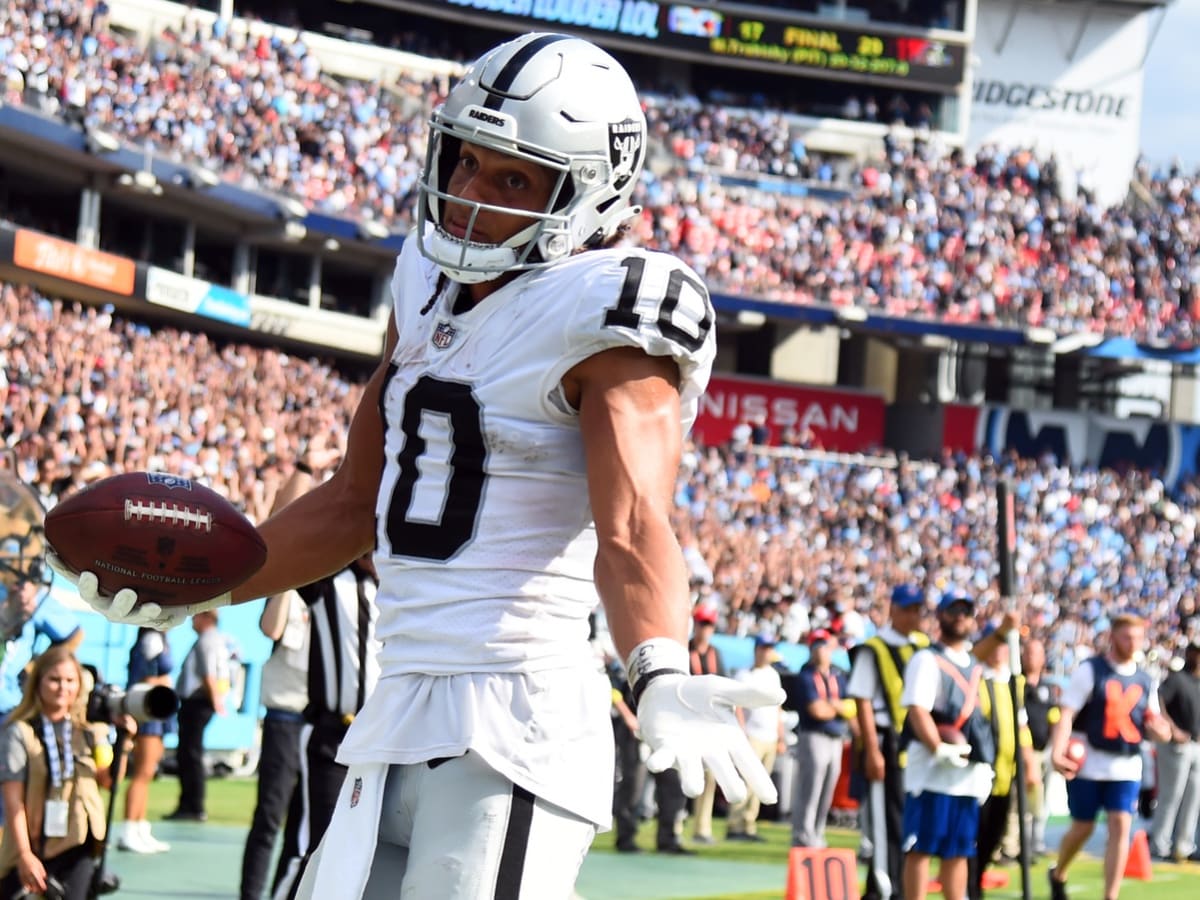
column 1109, row 707
column 950, row 753
column 765, row 731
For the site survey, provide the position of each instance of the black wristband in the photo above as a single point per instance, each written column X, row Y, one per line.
column 644, row 681
column 302, row 466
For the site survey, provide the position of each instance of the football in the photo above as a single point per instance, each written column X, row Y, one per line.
column 170, row 539
column 1076, row 752
column 948, row 734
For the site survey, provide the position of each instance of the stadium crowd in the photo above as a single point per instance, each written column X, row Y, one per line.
column 918, row 230
column 777, row 543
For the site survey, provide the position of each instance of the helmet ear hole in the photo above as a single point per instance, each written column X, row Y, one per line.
column 566, row 194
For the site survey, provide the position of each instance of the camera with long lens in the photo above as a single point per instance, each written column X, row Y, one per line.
column 144, row 702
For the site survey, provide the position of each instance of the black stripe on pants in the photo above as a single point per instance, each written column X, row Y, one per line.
column 516, row 840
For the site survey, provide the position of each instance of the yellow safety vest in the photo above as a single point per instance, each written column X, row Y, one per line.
column 891, row 678
column 996, row 704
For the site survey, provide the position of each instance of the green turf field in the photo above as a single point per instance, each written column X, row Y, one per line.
column 205, row 862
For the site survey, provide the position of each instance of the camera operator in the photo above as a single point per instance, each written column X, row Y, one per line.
column 53, row 762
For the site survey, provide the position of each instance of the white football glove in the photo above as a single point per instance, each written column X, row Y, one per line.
column 123, row 607
column 953, row 754
column 688, row 722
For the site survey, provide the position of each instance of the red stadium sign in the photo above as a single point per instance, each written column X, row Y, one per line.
column 843, row 421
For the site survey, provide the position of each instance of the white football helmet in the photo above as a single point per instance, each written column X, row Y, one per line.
column 556, row 100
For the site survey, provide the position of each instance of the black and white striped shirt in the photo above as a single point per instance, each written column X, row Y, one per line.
column 343, row 664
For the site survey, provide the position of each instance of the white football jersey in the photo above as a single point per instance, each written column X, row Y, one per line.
column 486, row 542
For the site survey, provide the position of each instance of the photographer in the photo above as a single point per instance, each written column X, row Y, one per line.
column 53, row 762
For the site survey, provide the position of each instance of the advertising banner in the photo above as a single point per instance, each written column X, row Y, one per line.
column 63, row 259
column 842, row 421
column 193, row 295
column 1062, row 79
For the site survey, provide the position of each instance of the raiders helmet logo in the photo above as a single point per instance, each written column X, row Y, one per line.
column 626, row 142
column 443, row 335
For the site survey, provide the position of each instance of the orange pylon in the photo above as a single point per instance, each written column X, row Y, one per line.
column 1138, row 864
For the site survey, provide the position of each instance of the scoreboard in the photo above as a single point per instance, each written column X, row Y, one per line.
column 771, row 40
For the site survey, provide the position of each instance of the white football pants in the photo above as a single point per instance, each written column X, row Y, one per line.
column 457, row 830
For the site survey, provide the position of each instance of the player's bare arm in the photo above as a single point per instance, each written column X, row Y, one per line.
column 629, row 415
column 1058, row 743
column 923, row 727
column 325, row 529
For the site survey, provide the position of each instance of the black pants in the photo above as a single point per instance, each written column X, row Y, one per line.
column 993, row 821
column 194, row 715
column 278, row 775
column 893, row 801
column 313, row 802
column 630, row 780
column 668, row 796
column 72, row 869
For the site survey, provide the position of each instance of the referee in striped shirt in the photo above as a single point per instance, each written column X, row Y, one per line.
column 342, row 670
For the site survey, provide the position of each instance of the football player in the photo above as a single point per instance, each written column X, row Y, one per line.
column 514, row 455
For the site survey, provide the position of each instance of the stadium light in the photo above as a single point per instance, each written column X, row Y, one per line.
column 291, row 208
column 141, row 182
column 99, row 141
column 202, row 177
column 751, row 318
column 294, row 232
column 369, row 229
column 1081, row 340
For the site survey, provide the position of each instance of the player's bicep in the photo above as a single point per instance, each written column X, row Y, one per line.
column 362, row 466
column 629, row 419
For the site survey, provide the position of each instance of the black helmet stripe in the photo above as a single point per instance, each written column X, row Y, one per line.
column 498, row 89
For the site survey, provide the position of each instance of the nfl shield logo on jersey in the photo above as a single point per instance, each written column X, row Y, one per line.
column 443, row 335
column 356, row 793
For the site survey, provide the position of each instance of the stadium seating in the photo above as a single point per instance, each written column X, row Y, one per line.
column 915, row 231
